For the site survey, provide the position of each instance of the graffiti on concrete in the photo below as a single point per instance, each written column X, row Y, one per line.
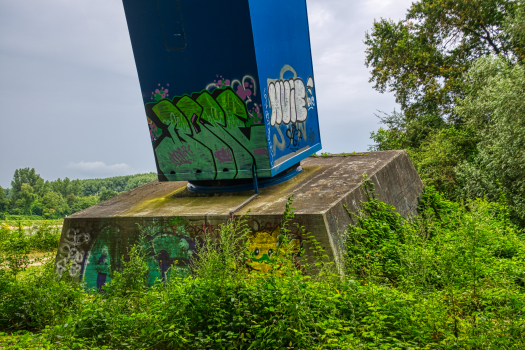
column 289, row 101
column 105, row 255
column 221, row 125
column 171, row 253
column 70, row 252
column 265, row 241
column 171, row 245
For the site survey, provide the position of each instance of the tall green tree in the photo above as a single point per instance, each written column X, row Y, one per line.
column 82, row 203
column 495, row 108
column 30, row 177
column 53, row 203
column 27, row 198
column 423, row 58
column 67, row 187
column 4, row 202
column 106, row 194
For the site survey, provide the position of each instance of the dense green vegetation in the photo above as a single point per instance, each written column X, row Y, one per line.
column 451, row 278
column 30, row 197
column 456, row 68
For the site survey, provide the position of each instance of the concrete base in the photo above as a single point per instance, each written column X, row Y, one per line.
column 174, row 218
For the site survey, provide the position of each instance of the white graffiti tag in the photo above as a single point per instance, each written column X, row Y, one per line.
column 70, row 252
column 289, row 99
column 311, row 99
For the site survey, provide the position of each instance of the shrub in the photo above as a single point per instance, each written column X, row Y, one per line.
column 450, row 278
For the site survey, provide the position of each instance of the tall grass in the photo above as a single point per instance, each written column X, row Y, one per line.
column 450, row 278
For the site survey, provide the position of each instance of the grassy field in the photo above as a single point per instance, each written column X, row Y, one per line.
column 27, row 224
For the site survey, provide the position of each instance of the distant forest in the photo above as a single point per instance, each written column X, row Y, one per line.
column 31, row 196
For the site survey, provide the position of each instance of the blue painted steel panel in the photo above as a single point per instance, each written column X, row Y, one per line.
column 203, row 68
column 284, row 62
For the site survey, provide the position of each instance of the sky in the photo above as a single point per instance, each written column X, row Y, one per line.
column 70, row 99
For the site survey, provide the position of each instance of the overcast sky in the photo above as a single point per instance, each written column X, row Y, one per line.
column 70, row 97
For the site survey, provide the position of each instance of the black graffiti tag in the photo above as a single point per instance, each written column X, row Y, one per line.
column 294, row 135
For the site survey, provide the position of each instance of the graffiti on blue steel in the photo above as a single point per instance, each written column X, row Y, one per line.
column 294, row 136
column 268, row 123
column 289, row 101
column 209, row 135
column 154, row 132
column 181, row 155
column 245, row 88
column 160, row 93
column 311, row 136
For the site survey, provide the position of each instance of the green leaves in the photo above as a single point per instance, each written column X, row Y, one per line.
column 495, row 109
column 422, row 58
column 460, row 105
column 457, row 269
column 452, row 277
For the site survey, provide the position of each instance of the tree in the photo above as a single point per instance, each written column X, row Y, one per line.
column 82, row 203
column 437, row 158
column 53, row 202
column 67, row 187
column 139, row 180
column 4, row 202
column 107, row 194
column 495, row 108
column 423, row 58
column 26, row 176
column 26, row 198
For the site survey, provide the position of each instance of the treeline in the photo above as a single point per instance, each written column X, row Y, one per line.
column 457, row 70
column 30, row 195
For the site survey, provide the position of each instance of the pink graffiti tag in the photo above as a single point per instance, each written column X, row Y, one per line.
column 243, row 91
column 181, row 156
column 154, row 132
column 222, row 83
column 160, row 94
column 260, row 151
column 224, row 155
column 256, row 114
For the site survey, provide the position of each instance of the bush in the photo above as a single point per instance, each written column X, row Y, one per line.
column 450, row 278
column 40, row 236
column 37, row 300
column 453, row 276
column 437, row 158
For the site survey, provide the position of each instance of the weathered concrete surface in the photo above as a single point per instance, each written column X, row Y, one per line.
column 174, row 218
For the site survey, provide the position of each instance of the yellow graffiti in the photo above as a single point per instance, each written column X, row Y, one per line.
column 262, row 247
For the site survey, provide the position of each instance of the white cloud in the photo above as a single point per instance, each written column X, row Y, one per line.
column 100, row 169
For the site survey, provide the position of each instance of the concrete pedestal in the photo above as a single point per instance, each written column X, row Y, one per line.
column 174, row 218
